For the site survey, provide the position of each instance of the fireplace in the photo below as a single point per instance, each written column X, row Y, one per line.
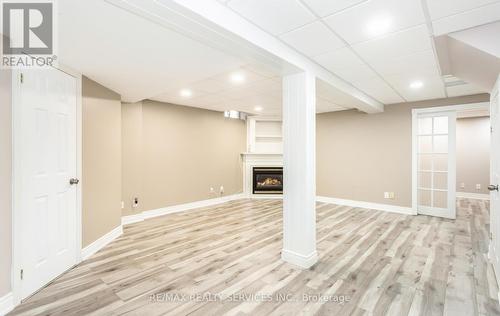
column 267, row 180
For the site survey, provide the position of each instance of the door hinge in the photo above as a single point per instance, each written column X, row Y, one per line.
column 22, row 274
column 22, row 77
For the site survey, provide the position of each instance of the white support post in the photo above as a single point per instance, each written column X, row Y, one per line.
column 299, row 170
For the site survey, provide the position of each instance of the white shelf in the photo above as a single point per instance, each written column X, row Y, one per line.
column 264, row 134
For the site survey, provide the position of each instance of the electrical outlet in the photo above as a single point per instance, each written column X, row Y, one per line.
column 478, row 186
column 212, row 190
column 123, row 205
column 221, row 190
column 462, row 185
column 389, row 195
column 135, row 203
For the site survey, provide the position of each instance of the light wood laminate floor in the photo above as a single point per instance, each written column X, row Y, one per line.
column 378, row 263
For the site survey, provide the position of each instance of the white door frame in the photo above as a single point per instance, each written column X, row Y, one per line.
column 16, row 126
column 415, row 113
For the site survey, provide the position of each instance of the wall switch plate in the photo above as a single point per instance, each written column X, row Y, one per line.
column 478, row 186
column 221, row 190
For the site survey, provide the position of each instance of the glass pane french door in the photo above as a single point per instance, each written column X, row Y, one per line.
column 436, row 165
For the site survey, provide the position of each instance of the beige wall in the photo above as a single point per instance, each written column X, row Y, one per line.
column 101, row 161
column 361, row 156
column 473, row 154
column 132, row 153
column 5, row 181
column 183, row 152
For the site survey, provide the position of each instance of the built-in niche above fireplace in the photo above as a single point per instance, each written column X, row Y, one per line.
column 267, row 180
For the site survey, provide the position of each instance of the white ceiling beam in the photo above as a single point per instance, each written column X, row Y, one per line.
column 237, row 29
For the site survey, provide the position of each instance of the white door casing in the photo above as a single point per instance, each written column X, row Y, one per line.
column 434, row 157
column 46, row 219
column 495, row 179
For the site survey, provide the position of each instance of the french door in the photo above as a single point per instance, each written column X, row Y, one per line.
column 45, row 166
column 436, row 163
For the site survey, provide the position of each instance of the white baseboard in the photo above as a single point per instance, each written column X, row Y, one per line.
column 304, row 262
column 368, row 205
column 477, row 196
column 102, row 242
column 179, row 208
column 6, row 303
column 130, row 219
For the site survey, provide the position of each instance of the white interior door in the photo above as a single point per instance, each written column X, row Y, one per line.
column 495, row 179
column 436, row 164
column 45, row 155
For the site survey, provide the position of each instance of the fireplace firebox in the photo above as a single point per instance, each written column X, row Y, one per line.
column 267, row 180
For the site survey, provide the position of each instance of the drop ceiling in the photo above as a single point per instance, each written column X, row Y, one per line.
column 379, row 46
column 141, row 56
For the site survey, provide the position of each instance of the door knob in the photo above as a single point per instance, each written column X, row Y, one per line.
column 74, row 181
column 492, row 187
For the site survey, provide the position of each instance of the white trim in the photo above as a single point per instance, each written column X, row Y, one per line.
column 179, row 208
column 102, row 242
column 304, row 262
column 6, row 303
column 469, row 195
column 130, row 219
column 368, row 205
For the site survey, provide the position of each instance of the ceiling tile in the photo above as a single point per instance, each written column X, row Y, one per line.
column 373, row 19
column 396, row 45
column 249, row 77
column 326, row 7
column 274, row 16
column 467, row 19
column 209, row 86
column 338, row 59
column 355, row 73
column 379, row 90
column 406, row 64
column 433, row 87
column 313, row 39
column 441, row 8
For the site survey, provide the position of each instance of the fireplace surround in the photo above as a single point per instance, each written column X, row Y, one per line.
column 267, row 180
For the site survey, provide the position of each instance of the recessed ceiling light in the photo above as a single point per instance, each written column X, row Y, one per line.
column 416, row 84
column 258, row 108
column 237, row 77
column 186, row 93
column 379, row 25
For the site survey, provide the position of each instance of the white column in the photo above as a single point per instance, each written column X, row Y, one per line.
column 299, row 169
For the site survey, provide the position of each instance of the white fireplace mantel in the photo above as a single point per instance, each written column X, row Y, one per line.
column 264, row 149
column 251, row 160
